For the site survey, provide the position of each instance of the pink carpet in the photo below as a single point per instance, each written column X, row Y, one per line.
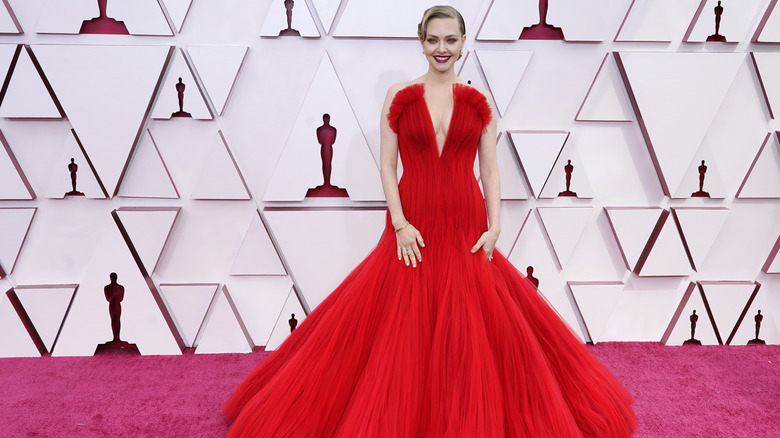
column 679, row 392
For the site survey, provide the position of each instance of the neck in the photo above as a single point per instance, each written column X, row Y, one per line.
column 435, row 77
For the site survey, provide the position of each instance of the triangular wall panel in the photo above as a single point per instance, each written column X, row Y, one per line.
column 645, row 307
column 189, row 304
column 144, row 320
column 700, row 229
column 148, row 229
column 513, row 216
column 218, row 68
column 565, row 225
column 60, row 181
column 14, row 226
column 667, row 256
column 538, row 152
column 353, row 166
column 7, row 54
column 292, row 307
column 326, row 9
column 15, row 341
column 142, row 17
column 677, row 96
column 727, row 301
column 657, row 20
column 763, row 179
column 768, row 70
column 259, row 301
column 13, row 183
column 223, row 331
column 257, row 255
column 633, row 228
column 147, row 175
column 177, row 10
column 596, row 302
column 607, row 100
column 8, row 21
column 322, row 246
column 513, row 184
column 769, row 331
column 503, row 71
column 27, row 95
column 368, row 18
column 220, row 177
column 65, row 16
column 47, row 307
column 768, row 30
column 679, row 329
column 556, row 182
column 89, row 82
column 167, row 102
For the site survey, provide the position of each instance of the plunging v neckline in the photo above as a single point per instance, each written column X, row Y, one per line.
column 439, row 151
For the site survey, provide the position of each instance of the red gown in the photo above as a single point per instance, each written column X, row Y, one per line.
column 458, row 347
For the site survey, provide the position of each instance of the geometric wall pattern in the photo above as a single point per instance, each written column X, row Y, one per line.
column 196, row 193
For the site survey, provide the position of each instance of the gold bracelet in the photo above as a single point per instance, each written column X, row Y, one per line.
column 402, row 227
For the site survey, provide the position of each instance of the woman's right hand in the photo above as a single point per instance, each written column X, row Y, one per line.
column 408, row 243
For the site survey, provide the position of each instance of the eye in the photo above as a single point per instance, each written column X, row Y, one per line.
column 432, row 40
column 452, row 40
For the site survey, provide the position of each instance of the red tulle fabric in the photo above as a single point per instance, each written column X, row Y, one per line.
column 458, row 347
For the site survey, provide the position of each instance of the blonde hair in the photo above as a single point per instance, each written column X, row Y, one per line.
column 439, row 12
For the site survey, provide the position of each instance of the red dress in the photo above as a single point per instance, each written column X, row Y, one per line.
column 458, row 347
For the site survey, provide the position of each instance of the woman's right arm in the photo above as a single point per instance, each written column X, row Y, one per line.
column 408, row 237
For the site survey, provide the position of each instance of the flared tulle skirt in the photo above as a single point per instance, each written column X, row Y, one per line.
column 457, row 347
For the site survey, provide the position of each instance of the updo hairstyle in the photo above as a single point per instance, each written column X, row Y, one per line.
column 439, row 12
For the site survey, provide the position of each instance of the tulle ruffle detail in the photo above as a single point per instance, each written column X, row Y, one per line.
column 403, row 97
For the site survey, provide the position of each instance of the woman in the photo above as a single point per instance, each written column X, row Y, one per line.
column 435, row 333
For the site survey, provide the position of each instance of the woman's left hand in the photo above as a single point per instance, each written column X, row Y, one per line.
column 487, row 241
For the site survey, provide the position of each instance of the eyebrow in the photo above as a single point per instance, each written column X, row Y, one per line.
column 446, row 36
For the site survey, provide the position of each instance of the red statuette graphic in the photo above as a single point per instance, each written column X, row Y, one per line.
column 542, row 30
column 103, row 24
column 326, row 136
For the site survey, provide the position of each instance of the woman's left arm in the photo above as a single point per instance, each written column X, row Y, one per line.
column 488, row 170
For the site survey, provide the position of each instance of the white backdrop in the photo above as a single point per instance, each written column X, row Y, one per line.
column 205, row 220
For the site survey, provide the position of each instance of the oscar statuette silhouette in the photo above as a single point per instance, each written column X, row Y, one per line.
column 73, row 168
column 115, row 293
column 693, row 341
column 103, row 24
column 568, row 168
column 529, row 274
column 288, row 5
column 717, row 37
column 326, row 136
column 180, row 87
column 542, row 30
column 293, row 323
column 701, row 193
column 757, row 319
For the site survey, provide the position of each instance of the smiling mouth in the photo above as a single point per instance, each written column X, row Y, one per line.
column 442, row 59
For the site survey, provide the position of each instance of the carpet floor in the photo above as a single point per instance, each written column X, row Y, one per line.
column 679, row 391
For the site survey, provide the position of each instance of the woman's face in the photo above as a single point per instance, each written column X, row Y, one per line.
column 443, row 43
